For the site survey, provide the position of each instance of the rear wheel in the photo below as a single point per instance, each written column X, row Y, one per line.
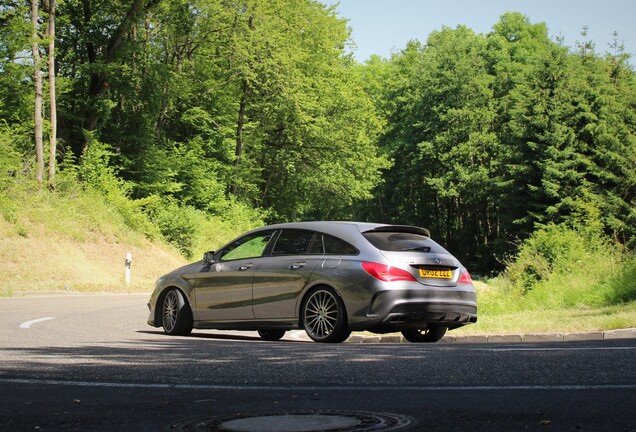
column 271, row 335
column 176, row 316
column 432, row 334
column 324, row 317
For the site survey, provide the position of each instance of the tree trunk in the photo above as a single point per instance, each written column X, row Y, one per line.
column 37, row 112
column 239, row 136
column 99, row 80
column 53, row 103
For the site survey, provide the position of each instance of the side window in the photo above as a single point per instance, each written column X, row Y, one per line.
column 317, row 247
column 292, row 242
column 251, row 246
column 334, row 246
column 326, row 244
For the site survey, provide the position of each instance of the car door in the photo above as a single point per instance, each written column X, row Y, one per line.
column 224, row 291
column 280, row 276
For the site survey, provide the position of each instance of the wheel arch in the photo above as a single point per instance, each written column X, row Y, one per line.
column 162, row 296
column 310, row 289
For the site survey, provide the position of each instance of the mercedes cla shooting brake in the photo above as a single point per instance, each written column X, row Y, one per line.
column 328, row 278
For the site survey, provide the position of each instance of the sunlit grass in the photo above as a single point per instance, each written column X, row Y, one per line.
column 554, row 320
column 74, row 243
column 562, row 280
column 503, row 310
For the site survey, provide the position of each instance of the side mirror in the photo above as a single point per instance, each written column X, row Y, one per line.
column 208, row 257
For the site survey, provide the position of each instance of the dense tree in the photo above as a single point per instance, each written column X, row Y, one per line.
column 221, row 107
column 15, row 87
column 494, row 135
column 441, row 136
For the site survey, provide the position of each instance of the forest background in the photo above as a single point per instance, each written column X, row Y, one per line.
column 189, row 122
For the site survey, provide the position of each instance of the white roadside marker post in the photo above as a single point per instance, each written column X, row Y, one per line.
column 128, row 262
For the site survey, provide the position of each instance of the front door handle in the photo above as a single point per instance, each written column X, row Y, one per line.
column 245, row 267
column 297, row 265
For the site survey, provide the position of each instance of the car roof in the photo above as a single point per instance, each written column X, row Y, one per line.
column 344, row 228
column 326, row 225
column 348, row 231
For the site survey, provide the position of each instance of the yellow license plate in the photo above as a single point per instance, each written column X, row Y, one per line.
column 436, row 273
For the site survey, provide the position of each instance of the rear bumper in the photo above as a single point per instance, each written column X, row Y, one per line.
column 420, row 316
column 397, row 310
column 449, row 315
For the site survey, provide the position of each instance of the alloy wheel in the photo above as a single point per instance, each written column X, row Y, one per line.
column 170, row 310
column 321, row 314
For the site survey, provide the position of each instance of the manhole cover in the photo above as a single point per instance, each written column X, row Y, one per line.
column 299, row 421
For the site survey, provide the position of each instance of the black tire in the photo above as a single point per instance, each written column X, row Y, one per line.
column 176, row 316
column 271, row 335
column 324, row 317
column 432, row 334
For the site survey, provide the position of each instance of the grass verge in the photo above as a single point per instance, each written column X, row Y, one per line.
column 494, row 317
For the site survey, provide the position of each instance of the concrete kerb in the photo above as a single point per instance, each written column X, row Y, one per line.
column 507, row 338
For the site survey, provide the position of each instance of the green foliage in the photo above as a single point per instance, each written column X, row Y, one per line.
column 195, row 119
column 622, row 285
column 232, row 219
column 562, row 267
column 172, row 96
column 551, row 251
column 11, row 166
column 193, row 231
column 178, row 224
column 307, row 128
column 9, row 158
column 96, row 174
column 440, row 134
column 16, row 94
column 495, row 135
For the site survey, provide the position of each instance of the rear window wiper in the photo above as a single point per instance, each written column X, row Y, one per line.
column 418, row 248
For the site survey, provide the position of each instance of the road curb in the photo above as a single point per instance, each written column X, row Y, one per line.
column 505, row 338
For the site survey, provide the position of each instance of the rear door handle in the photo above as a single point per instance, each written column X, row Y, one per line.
column 245, row 267
column 297, row 265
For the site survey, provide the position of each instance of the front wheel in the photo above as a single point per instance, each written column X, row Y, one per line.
column 432, row 334
column 324, row 317
column 176, row 316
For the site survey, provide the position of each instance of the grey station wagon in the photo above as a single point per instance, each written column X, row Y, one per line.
column 328, row 278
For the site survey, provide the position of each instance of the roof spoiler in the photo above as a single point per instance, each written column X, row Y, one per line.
column 401, row 228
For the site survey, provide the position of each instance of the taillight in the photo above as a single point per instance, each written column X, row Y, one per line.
column 465, row 278
column 387, row 273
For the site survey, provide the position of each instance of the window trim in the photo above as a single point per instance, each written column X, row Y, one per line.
column 269, row 250
column 219, row 258
column 357, row 251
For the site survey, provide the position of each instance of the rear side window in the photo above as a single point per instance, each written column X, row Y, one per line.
column 293, row 242
column 402, row 242
column 328, row 245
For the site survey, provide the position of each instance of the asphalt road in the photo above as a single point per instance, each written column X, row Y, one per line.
column 90, row 363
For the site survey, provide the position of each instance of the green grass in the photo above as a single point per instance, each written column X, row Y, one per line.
column 509, row 314
column 562, row 280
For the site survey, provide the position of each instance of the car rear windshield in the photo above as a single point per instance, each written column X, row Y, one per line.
column 402, row 242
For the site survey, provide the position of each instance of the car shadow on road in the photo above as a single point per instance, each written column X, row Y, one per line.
column 218, row 336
